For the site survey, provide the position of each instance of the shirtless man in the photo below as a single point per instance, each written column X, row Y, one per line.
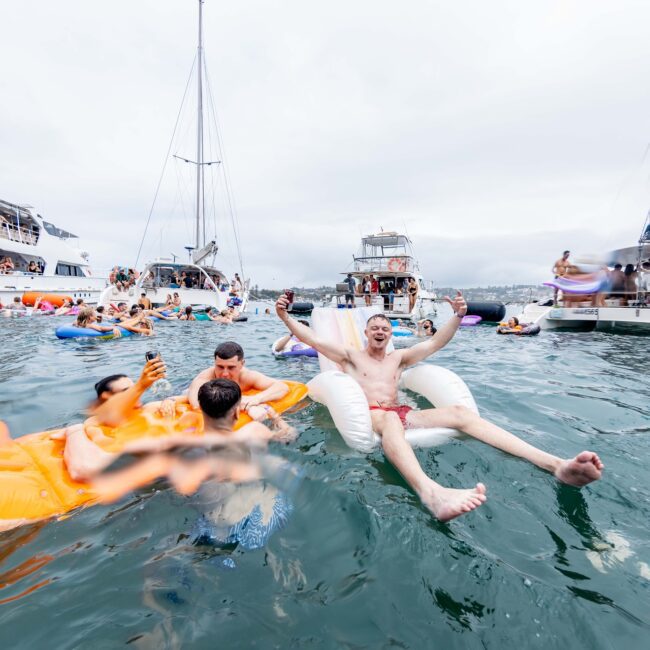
column 378, row 372
column 229, row 364
column 560, row 269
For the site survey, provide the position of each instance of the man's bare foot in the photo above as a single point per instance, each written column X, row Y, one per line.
column 448, row 503
column 584, row 468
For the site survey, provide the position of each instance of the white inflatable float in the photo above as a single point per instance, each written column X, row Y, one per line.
column 346, row 402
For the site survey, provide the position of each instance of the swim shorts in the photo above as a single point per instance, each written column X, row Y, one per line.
column 401, row 409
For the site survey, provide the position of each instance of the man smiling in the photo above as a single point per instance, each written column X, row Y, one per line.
column 378, row 372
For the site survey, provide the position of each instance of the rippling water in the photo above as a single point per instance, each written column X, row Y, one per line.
column 360, row 563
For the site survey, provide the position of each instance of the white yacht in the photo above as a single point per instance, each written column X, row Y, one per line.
column 389, row 257
column 625, row 316
column 198, row 282
column 61, row 268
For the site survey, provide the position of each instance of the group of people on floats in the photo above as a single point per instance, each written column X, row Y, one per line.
column 138, row 318
column 219, row 392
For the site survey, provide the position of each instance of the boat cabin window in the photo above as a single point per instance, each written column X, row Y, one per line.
column 14, row 228
column 68, row 269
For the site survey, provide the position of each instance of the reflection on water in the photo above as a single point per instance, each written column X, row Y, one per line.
column 358, row 563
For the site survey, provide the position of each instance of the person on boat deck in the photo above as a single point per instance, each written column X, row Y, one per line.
column 630, row 275
column 352, row 289
column 7, row 265
column 374, row 285
column 32, row 268
column 378, row 372
column 366, row 286
column 287, row 342
column 174, row 281
column 187, row 314
column 235, row 285
column 412, row 289
column 144, row 302
column 229, row 363
column 559, row 270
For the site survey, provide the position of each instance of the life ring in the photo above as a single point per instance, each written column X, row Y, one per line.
column 34, row 483
column 397, row 264
column 348, row 405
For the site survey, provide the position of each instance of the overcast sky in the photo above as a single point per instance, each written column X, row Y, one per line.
column 496, row 133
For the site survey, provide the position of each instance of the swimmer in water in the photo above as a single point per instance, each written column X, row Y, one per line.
column 87, row 319
column 187, row 314
column 426, row 328
column 378, row 372
column 229, row 364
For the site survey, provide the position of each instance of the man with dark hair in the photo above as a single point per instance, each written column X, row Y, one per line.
column 352, row 290
column 378, row 372
column 229, row 364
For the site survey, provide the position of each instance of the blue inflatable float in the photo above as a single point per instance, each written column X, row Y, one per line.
column 72, row 332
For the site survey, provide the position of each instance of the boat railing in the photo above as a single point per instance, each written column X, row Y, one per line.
column 385, row 264
column 18, row 234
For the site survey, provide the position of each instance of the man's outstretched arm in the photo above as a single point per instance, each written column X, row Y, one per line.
column 421, row 351
column 334, row 352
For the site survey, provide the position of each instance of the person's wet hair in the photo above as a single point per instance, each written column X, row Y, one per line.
column 382, row 316
column 121, row 304
column 228, row 350
column 218, row 396
column 188, row 310
column 432, row 329
column 134, row 311
column 566, row 252
column 303, row 322
column 84, row 315
column 100, row 309
column 80, row 301
column 104, row 385
column 514, row 318
column 618, row 267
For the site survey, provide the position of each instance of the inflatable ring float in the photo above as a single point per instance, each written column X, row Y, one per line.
column 34, row 483
column 294, row 349
column 345, row 399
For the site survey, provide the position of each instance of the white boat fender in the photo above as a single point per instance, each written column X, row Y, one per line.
column 348, row 406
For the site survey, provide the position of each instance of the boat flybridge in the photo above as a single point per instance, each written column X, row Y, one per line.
column 390, row 259
column 629, row 314
column 198, row 282
column 43, row 257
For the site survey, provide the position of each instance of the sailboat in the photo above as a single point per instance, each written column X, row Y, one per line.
column 198, row 281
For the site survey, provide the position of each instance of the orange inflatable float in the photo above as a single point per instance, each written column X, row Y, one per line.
column 30, row 298
column 35, row 484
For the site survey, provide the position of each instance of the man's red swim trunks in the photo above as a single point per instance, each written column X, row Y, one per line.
column 401, row 410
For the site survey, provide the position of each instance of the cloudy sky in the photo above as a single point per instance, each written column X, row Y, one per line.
column 496, row 133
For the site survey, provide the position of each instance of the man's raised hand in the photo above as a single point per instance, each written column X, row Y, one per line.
column 281, row 305
column 458, row 304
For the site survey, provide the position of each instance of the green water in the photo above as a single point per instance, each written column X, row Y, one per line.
column 360, row 564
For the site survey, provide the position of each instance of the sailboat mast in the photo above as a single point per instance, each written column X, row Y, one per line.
column 200, row 203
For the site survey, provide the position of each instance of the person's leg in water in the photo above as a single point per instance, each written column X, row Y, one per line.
column 443, row 503
column 581, row 470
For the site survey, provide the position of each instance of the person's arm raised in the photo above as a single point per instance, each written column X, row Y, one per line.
column 118, row 407
column 421, row 351
column 332, row 351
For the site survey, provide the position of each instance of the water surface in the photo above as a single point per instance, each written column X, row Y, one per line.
column 360, row 563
